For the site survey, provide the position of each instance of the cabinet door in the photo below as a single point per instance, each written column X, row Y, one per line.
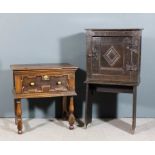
column 115, row 58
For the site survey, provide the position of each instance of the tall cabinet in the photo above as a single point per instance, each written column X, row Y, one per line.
column 113, row 64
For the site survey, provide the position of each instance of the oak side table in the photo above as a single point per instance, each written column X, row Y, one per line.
column 43, row 80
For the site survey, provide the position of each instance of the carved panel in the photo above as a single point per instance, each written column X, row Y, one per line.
column 111, row 56
column 95, row 54
column 44, row 83
column 134, row 51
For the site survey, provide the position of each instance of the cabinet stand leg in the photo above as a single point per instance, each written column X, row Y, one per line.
column 19, row 115
column 134, row 109
column 88, row 108
column 71, row 118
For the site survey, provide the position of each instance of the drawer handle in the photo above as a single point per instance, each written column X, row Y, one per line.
column 89, row 55
column 32, row 83
column 59, row 83
column 45, row 77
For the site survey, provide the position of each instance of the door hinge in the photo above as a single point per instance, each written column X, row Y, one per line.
column 131, row 67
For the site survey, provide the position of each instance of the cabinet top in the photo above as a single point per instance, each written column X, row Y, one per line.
column 107, row 29
column 42, row 66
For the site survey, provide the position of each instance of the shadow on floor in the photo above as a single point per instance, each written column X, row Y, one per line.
column 28, row 128
column 122, row 125
column 9, row 125
column 145, row 127
column 60, row 123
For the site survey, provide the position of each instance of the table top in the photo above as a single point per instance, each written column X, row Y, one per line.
column 42, row 66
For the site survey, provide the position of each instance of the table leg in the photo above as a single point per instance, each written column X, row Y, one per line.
column 19, row 115
column 15, row 109
column 134, row 109
column 64, row 108
column 71, row 118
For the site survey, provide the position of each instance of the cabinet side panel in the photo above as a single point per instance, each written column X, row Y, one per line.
column 88, row 53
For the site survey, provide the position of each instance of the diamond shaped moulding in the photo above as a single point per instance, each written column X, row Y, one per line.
column 111, row 56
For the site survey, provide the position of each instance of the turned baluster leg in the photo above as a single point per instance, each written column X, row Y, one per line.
column 15, row 109
column 71, row 115
column 134, row 109
column 19, row 116
column 64, row 108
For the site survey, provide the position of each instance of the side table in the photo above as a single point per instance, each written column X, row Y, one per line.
column 43, row 80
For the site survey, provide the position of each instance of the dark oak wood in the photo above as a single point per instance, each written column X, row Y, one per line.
column 134, row 109
column 44, row 80
column 113, row 64
column 88, row 106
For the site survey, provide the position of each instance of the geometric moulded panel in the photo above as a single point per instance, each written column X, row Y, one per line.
column 111, row 56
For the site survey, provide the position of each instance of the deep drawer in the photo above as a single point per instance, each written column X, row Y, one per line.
column 45, row 83
column 38, row 82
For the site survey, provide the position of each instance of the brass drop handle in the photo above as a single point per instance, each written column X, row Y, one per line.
column 59, row 83
column 32, row 83
column 45, row 77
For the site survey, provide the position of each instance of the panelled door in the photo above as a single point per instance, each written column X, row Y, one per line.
column 115, row 58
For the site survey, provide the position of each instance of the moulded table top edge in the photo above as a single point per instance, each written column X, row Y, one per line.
column 42, row 66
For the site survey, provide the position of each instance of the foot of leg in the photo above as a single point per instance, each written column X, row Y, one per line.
column 19, row 126
column 71, row 118
column 19, row 116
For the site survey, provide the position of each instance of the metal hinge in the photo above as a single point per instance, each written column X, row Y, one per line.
column 131, row 67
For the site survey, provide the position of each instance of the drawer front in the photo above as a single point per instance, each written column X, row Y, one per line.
column 44, row 83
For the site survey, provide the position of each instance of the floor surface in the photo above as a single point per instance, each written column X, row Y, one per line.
column 99, row 130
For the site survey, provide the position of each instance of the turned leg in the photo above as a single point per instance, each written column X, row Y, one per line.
column 71, row 115
column 15, row 109
column 88, row 107
column 134, row 109
column 64, row 108
column 19, row 116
